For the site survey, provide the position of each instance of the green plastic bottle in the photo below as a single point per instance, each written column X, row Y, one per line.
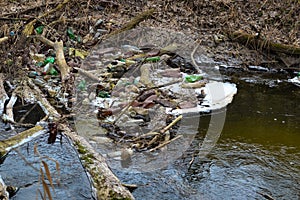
column 193, row 78
column 153, row 59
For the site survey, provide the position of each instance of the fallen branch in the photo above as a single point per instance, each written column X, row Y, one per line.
column 107, row 184
column 257, row 42
column 171, row 124
column 61, row 61
column 19, row 139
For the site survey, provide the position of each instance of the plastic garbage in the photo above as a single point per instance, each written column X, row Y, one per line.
column 103, row 94
column 82, row 85
column 193, row 78
column 39, row 64
column 32, row 74
column 153, row 59
column 53, row 71
column 39, row 29
column 49, row 59
column 39, row 82
column 131, row 48
column 71, row 34
column 46, row 69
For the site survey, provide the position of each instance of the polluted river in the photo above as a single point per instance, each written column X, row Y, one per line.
column 257, row 155
column 248, row 148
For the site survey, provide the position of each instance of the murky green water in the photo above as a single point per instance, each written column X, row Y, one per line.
column 257, row 154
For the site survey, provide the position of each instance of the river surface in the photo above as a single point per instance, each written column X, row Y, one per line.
column 256, row 157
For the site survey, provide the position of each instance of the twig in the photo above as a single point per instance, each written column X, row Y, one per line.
column 27, row 113
column 3, row 39
column 266, row 196
column 44, row 40
column 151, row 133
column 165, row 143
column 3, row 94
column 171, row 124
column 192, row 57
column 87, row 74
column 162, row 85
column 130, row 25
column 191, row 162
column 13, row 18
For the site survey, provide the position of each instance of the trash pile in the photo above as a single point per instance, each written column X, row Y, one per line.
column 140, row 94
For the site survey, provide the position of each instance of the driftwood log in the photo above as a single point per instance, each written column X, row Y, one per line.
column 256, row 42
